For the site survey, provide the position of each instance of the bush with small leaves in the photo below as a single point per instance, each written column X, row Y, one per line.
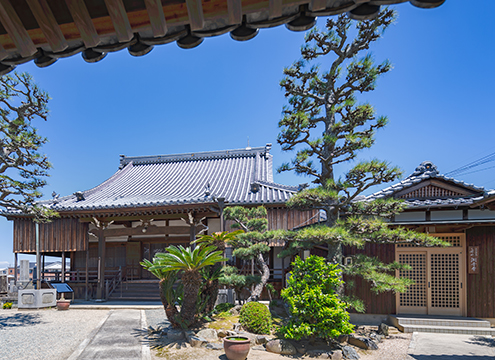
column 256, row 318
column 316, row 311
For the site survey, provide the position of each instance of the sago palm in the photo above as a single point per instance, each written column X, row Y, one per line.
column 210, row 288
column 190, row 262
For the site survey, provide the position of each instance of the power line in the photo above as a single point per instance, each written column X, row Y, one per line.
column 464, row 169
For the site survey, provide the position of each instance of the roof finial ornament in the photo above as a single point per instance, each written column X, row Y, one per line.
column 427, row 168
column 248, row 147
column 207, row 190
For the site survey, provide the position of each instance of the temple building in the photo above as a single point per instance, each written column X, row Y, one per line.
column 150, row 203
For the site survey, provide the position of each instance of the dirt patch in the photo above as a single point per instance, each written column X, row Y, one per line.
column 392, row 348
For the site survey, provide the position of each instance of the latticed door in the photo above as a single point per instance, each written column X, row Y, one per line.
column 439, row 277
column 414, row 301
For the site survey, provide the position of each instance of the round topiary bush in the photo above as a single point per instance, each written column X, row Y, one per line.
column 256, row 318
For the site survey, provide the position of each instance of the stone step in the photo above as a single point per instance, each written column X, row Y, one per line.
column 444, row 322
column 448, row 329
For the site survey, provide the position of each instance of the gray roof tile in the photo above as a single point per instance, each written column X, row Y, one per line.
column 191, row 178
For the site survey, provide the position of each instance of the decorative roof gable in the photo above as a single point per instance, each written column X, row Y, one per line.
column 427, row 187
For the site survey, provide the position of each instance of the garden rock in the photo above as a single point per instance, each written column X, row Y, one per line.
column 376, row 337
column 259, row 348
column 208, row 334
column 261, row 339
column 250, row 336
column 236, row 310
column 383, row 329
column 197, row 342
column 337, row 355
column 343, row 338
column 363, row 343
column 301, row 348
column 349, row 353
column 237, row 327
column 318, row 354
column 213, row 346
column 175, row 335
column 281, row 346
column 222, row 333
column 231, row 333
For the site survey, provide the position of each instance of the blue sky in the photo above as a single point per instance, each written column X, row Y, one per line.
column 438, row 99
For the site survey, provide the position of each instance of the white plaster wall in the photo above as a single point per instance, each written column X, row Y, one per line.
column 446, row 215
column 411, row 216
column 481, row 214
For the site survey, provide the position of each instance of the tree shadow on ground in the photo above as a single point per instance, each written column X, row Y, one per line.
column 482, row 340
column 156, row 338
column 19, row 319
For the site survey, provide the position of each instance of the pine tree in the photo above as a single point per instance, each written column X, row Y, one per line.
column 325, row 101
column 253, row 243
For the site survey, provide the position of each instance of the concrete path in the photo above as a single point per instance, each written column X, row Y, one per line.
column 437, row 346
column 118, row 336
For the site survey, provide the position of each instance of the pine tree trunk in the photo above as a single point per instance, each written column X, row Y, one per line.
column 335, row 253
column 265, row 275
column 191, row 280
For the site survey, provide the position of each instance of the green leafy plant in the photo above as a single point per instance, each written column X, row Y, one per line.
column 220, row 308
column 256, row 318
column 7, row 305
column 316, row 311
column 189, row 263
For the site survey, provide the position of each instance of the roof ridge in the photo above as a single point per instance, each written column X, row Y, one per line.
column 192, row 156
column 277, row 185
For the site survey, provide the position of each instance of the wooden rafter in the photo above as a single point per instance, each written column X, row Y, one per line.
column 119, row 18
column 157, row 17
column 3, row 53
column 235, row 11
column 275, row 8
column 19, row 35
column 48, row 24
column 195, row 11
column 83, row 22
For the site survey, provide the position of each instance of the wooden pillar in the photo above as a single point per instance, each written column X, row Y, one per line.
column 86, row 274
column 43, row 268
column 15, row 268
column 192, row 234
column 63, row 266
column 101, row 266
column 221, row 205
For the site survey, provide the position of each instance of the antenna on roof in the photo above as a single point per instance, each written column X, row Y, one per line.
column 248, row 147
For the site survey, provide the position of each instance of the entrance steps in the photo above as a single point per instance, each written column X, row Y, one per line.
column 441, row 324
column 144, row 290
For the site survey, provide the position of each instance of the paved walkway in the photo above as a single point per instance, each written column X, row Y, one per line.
column 118, row 336
column 435, row 346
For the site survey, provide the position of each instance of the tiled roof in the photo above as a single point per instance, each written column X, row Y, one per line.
column 243, row 176
column 427, row 170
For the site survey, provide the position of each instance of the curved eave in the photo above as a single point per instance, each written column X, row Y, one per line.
column 45, row 31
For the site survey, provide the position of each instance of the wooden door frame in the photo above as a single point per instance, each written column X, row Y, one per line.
column 429, row 250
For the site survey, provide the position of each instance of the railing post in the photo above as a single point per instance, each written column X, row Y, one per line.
column 120, row 280
column 106, row 289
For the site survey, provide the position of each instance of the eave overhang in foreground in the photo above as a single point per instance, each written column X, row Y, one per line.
column 444, row 222
column 47, row 30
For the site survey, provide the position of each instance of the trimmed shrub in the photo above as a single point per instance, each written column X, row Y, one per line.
column 256, row 318
column 223, row 307
column 316, row 311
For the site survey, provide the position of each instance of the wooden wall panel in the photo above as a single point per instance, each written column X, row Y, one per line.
column 383, row 303
column 481, row 287
column 56, row 236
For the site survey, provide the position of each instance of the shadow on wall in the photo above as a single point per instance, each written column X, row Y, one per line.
column 19, row 320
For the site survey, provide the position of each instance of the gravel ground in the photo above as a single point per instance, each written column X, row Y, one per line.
column 393, row 348
column 157, row 317
column 46, row 333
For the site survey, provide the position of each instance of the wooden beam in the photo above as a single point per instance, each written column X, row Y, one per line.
column 48, row 24
column 150, row 230
column 19, row 35
column 196, row 17
column 120, row 21
column 157, row 17
column 83, row 22
column 235, row 11
column 274, row 8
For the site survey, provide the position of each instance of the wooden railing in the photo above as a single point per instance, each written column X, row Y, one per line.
column 111, row 285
